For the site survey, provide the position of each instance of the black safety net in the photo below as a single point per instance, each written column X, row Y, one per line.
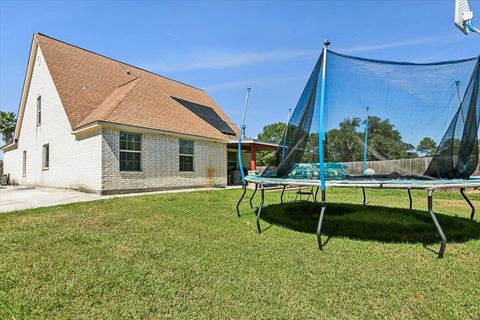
column 383, row 120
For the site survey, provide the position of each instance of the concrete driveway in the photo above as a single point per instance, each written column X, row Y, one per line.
column 19, row 198
column 25, row 198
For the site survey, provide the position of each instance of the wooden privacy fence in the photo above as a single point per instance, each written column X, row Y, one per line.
column 414, row 166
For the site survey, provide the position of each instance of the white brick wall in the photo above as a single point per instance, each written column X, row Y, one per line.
column 74, row 163
column 160, row 164
column 92, row 162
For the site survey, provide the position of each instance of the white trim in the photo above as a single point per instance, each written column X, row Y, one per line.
column 135, row 129
column 26, row 85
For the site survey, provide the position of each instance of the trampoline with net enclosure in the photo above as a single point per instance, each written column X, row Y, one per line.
column 364, row 123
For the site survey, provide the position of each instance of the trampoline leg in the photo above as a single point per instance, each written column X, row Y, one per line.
column 253, row 195
column 472, row 215
column 316, row 193
column 244, row 188
column 262, row 199
column 437, row 225
column 410, row 198
column 310, row 194
column 320, row 221
column 364, row 197
column 281, row 196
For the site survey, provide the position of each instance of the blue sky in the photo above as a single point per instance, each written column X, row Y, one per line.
column 225, row 47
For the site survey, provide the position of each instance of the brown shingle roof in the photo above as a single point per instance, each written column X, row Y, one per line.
column 96, row 88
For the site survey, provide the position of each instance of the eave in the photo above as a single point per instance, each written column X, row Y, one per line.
column 97, row 125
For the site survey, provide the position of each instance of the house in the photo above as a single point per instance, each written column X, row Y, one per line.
column 96, row 124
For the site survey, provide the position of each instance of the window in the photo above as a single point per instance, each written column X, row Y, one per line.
column 24, row 167
column 186, row 155
column 46, row 157
column 130, row 151
column 232, row 159
column 39, row 110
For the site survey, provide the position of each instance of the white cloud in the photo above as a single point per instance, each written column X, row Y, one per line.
column 224, row 59
column 256, row 82
column 217, row 59
column 398, row 44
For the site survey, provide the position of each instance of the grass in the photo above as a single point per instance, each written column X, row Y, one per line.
column 189, row 256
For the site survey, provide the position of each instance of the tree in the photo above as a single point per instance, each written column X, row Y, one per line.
column 347, row 142
column 271, row 133
column 7, row 125
column 427, row 147
column 387, row 141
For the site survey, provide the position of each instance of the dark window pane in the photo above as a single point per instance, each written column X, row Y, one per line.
column 123, row 165
column 130, row 141
column 186, row 146
column 130, row 161
column 39, row 110
column 232, row 156
column 186, row 163
column 136, row 166
column 46, row 156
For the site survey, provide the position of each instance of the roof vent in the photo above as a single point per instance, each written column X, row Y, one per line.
column 84, row 86
column 128, row 71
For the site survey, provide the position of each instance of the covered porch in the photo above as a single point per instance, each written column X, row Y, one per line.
column 250, row 147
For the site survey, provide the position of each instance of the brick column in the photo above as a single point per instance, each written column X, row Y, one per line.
column 253, row 160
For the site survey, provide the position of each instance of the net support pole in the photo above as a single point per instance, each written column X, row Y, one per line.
column 320, row 221
column 242, row 133
column 285, row 135
column 321, row 124
column 365, row 146
column 457, row 85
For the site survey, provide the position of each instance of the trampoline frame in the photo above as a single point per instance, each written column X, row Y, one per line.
column 429, row 187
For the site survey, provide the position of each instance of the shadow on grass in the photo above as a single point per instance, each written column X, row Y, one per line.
column 370, row 223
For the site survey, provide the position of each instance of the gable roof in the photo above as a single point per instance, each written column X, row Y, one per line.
column 95, row 88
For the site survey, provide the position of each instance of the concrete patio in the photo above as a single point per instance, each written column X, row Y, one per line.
column 20, row 198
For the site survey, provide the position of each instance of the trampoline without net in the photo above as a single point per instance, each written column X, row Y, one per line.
column 363, row 123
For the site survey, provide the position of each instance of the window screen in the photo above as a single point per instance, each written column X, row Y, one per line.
column 46, row 156
column 186, row 155
column 24, row 167
column 39, row 110
column 130, row 151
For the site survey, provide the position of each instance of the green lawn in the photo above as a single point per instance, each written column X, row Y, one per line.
column 188, row 255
